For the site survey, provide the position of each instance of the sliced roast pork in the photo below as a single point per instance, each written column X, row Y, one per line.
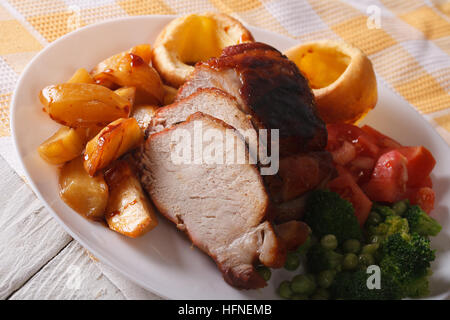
column 211, row 101
column 271, row 89
column 221, row 207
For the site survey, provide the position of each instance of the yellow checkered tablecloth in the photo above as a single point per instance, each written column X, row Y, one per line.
column 408, row 41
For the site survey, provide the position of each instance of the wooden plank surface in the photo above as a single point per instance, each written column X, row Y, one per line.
column 70, row 275
column 29, row 237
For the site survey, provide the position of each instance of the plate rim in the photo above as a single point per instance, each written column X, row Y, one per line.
column 31, row 183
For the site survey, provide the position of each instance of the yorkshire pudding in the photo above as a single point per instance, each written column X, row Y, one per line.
column 341, row 78
column 192, row 38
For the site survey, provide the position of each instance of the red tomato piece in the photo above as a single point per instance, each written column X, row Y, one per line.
column 420, row 164
column 424, row 197
column 389, row 177
column 383, row 141
column 367, row 146
column 427, row 182
column 384, row 169
column 347, row 188
column 344, row 154
column 361, row 169
column 363, row 142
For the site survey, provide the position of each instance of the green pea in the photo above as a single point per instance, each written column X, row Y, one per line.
column 366, row 259
column 321, row 294
column 370, row 248
column 350, row 261
column 303, row 284
column 374, row 219
column 284, row 290
column 329, row 242
column 400, row 207
column 264, row 272
column 292, row 261
column 325, row 278
column 298, row 296
column 351, row 246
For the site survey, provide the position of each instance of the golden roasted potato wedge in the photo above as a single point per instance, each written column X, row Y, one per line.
column 81, row 76
column 112, row 141
column 106, row 82
column 130, row 70
column 83, row 104
column 87, row 133
column 128, row 212
column 128, row 93
column 66, row 144
column 85, row 194
column 144, row 51
column 169, row 95
column 143, row 115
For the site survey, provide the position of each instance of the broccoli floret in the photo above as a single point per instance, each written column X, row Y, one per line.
column 384, row 211
column 415, row 288
column 420, row 222
column 321, row 259
column 353, row 286
column 328, row 213
column 404, row 262
column 392, row 224
column 406, row 258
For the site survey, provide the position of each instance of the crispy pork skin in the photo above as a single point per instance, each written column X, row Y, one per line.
column 221, row 207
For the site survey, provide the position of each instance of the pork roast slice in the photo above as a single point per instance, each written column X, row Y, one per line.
column 221, row 207
column 270, row 88
column 211, row 101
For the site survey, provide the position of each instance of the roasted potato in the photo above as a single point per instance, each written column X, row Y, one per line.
column 83, row 105
column 66, row 144
column 170, row 94
column 81, row 76
column 112, row 141
column 143, row 115
column 87, row 133
column 85, row 194
column 130, row 70
column 128, row 93
column 128, row 212
column 144, row 51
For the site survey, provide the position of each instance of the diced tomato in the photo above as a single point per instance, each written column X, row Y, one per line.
column 384, row 169
column 420, row 164
column 363, row 143
column 383, row 141
column 389, row 177
column 347, row 188
column 366, row 146
column 344, row 154
column 424, row 197
column 338, row 133
column 427, row 182
column 361, row 169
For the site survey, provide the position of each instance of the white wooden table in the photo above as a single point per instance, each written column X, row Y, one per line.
column 39, row 260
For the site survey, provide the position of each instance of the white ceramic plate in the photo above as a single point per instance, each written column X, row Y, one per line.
column 163, row 261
